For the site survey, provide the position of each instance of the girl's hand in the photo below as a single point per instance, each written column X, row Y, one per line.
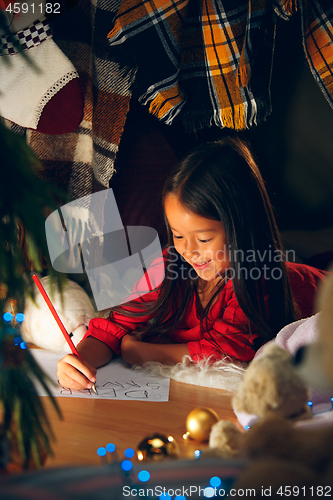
column 74, row 374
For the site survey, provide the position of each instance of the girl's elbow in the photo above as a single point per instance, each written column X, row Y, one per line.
column 131, row 356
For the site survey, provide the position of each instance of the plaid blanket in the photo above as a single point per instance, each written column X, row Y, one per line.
column 196, row 58
column 317, row 31
column 210, row 61
column 203, row 61
column 83, row 162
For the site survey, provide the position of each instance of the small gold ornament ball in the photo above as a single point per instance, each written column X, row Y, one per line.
column 199, row 423
column 157, row 447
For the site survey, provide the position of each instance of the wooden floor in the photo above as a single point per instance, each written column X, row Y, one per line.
column 88, row 424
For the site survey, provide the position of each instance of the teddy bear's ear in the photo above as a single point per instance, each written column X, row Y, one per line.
column 257, row 394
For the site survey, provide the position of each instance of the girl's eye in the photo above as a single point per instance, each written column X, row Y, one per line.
column 204, row 241
column 177, row 237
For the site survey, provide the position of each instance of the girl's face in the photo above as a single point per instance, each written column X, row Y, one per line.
column 200, row 241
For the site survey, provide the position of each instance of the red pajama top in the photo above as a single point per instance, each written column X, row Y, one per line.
column 227, row 324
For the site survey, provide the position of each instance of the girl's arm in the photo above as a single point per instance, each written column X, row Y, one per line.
column 94, row 352
column 111, row 331
column 72, row 373
column 136, row 352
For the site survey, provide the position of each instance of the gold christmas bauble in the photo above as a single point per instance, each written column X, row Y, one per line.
column 199, row 423
column 157, row 447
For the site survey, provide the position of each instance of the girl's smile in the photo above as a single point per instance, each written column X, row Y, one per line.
column 201, row 266
column 200, row 241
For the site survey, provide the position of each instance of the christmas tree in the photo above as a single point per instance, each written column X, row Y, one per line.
column 24, row 200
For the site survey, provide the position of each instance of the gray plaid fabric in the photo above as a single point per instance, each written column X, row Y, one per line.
column 83, row 162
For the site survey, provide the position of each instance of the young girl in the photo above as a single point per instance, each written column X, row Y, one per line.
column 227, row 287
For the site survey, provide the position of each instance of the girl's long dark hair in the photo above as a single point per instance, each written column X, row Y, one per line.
column 221, row 181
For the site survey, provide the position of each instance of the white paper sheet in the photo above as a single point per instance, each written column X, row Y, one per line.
column 114, row 381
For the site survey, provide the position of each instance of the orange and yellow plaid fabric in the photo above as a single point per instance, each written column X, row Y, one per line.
column 318, row 42
column 209, row 61
column 188, row 57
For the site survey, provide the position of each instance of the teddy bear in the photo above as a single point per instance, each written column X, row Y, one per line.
column 74, row 309
column 288, row 449
column 285, row 450
column 270, row 386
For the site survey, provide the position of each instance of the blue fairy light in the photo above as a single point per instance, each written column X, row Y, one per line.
column 246, row 427
column 111, row 447
column 215, row 481
column 19, row 317
column 129, row 453
column 180, row 497
column 101, row 452
column 126, row 465
column 23, row 345
column 143, row 476
column 209, row 492
column 165, row 496
column 17, row 340
column 310, row 405
column 7, row 316
column 197, row 453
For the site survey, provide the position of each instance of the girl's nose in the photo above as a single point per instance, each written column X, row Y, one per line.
column 190, row 251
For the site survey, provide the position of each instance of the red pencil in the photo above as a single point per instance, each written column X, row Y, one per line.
column 58, row 320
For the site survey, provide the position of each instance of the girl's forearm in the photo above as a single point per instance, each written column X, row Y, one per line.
column 94, row 351
column 139, row 353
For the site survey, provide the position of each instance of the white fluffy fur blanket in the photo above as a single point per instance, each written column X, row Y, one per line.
column 222, row 374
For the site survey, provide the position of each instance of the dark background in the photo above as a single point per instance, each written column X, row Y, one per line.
column 294, row 148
